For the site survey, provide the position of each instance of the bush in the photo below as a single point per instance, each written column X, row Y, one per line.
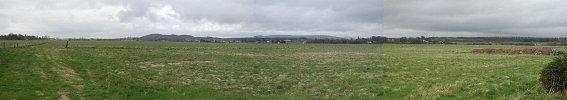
column 553, row 77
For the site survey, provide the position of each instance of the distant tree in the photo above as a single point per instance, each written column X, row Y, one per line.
column 403, row 40
column 13, row 36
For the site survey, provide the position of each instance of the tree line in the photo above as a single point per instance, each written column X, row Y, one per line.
column 13, row 36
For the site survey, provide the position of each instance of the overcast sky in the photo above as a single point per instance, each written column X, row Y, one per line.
column 221, row 18
column 533, row 18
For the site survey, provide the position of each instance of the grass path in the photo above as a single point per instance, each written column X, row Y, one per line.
column 33, row 73
column 68, row 75
column 37, row 72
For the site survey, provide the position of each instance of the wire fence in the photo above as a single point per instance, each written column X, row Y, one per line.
column 20, row 44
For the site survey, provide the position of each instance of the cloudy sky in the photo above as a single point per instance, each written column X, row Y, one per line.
column 221, row 18
column 533, row 18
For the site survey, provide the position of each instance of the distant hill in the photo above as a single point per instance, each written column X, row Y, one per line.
column 259, row 38
column 299, row 36
column 158, row 37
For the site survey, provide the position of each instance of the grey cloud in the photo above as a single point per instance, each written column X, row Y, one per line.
column 318, row 15
column 271, row 15
column 3, row 22
column 511, row 17
column 116, row 18
column 62, row 18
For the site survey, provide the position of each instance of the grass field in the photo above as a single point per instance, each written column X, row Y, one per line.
column 175, row 70
column 452, row 72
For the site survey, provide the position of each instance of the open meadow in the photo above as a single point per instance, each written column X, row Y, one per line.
column 422, row 71
column 174, row 70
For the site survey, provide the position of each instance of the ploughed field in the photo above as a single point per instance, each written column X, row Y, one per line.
column 454, row 72
column 182, row 70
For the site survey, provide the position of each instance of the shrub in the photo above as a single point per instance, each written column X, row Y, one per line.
column 553, row 77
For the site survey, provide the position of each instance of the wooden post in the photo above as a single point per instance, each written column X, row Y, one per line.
column 16, row 45
column 4, row 44
column 67, row 44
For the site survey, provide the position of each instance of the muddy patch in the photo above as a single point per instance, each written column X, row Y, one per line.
column 197, row 62
column 151, row 65
column 64, row 97
column 180, row 63
column 330, row 57
column 246, row 54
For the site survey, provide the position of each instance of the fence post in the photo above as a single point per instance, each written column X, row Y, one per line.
column 16, row 45
column 4, row 44
column 67, row 44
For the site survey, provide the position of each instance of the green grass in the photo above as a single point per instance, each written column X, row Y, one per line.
column 182, row 70
column 451, row 72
